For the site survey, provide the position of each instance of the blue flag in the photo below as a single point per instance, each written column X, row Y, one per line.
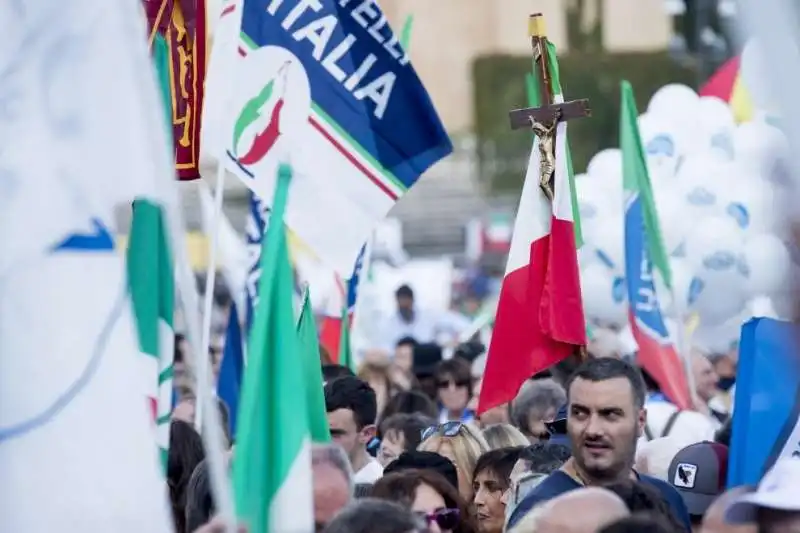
column 230, row 371
column 255, row 230
column 326, row 84
column 767, row 402
column 355, row 278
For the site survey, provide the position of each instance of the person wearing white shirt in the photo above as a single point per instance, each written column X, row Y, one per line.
column 352, row 409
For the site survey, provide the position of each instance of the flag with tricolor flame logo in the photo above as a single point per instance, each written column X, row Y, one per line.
column 177, row 39
column 539, row 319
column 644, row 253
column 328, row 87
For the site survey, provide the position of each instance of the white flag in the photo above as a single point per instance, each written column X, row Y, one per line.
column 81, row 130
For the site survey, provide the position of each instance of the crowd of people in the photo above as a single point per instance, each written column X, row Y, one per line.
column 589, row 446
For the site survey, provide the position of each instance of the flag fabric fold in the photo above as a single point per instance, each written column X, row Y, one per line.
column 313, row 85
column 540, row 317
column 312, row 369
column 766, row 413
column 644, row 252
column 69, row 355
column 229, row 381
column 152, row 287
column 272, row 470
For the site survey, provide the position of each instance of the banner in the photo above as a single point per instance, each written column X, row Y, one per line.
column 180, row 27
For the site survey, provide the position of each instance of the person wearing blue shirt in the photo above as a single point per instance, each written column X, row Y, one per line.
column 605, row 418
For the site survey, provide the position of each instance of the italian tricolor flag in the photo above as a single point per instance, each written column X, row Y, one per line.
column 539, row 318
column 152, row 289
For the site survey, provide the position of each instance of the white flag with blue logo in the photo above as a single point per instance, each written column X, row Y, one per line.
column 80, row 131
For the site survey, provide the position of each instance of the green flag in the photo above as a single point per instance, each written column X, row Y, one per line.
column 312, row 370
column 152, row 288
column 635, row 179
column 272, row 469
column 345, row 353
column 534, row 99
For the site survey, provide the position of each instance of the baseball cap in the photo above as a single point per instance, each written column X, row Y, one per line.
column 699, row 472
column 778, row 490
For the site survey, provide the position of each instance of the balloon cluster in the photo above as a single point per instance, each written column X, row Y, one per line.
column 719, row 190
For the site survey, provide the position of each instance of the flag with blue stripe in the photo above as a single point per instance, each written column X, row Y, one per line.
column 766, row 411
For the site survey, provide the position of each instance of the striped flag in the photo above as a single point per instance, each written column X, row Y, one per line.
column 766, row 414
column 152, row 287
column 309, row 351
column 336, row 326
column 645, row 252
column 272, row 470
column 539, row 318
column 177, row 38
column 339, row 104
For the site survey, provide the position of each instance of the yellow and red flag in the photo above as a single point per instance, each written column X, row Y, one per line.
column 727, row 84
column 177, row 39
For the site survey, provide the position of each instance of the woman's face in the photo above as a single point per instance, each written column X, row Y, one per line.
column 536, row 424
column 464, row 482
column 489, row 503
column 453, row 395
column 392, row 445
column 427, row 502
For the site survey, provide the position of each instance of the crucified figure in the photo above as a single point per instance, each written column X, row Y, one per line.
column 547, row 158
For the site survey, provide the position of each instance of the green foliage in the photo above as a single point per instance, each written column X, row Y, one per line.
column 500, row 86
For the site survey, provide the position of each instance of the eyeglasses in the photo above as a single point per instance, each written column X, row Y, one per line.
column 448, row 429
column 445, row 384
column 446, row 519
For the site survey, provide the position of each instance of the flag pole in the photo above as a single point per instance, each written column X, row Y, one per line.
column 683, row 349
column 208, row 296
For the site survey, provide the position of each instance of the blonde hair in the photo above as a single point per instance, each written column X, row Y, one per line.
column 467, row 445
column 504, row 436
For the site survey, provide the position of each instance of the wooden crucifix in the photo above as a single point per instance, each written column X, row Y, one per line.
column 543, row 120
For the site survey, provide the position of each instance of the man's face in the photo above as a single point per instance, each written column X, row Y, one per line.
column 705, row 378
column 345, row 433
column 603, row 424
column 331, row 493
column 404, row 356
column 392, row 445
column 405, row 305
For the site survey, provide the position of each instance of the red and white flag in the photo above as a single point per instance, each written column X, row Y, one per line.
column 539, row 318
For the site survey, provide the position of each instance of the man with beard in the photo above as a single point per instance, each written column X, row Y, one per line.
column 605, row 417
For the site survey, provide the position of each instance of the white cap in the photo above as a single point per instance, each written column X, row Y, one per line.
column 778, row 490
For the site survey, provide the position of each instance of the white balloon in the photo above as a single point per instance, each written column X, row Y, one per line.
column 608, row 241
column 686, row 286
column 702, row 179
column 603, row 292
column 752, row 202
column 673, row 99
column 596, row 201
column 761, row 149
column 768, row 264
column 715, row 251
column 722, row 337
column 716, row 125
column 661, row 140
column 606, row 166
column 671, row 209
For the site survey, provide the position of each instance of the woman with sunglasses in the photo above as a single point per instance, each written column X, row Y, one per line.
column 430, row 496
column 462, row 444
column 453, row 378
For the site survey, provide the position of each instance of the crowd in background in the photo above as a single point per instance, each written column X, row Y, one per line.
column 587, row 447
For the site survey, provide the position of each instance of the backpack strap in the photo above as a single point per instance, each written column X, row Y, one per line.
column 670, row 422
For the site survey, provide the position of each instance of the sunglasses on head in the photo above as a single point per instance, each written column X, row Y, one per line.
column 448, row 429
column 445, row 383
column 446, row 519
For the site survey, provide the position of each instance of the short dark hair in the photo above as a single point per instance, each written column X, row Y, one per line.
column 404, row 290
column 428, row 461
column 407, row 341
column 605, row 368
column 499, row 462
column 409, row 425
column 353, row 394
column 642, row 498
column 185, row 453
column 638, row 523
column 371, row 515
column 331, row 372
column 545, row 457
column 177, row 356
column 409, row 402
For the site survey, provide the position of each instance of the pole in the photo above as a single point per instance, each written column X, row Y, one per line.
column 208, row 296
